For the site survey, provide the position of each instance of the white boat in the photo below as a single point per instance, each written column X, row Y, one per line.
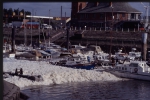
column 102, row 59
column 133, row 55
column 120, row 55
column 6, row 48
column 77, row 62
column 77, row 47
column 134, row 70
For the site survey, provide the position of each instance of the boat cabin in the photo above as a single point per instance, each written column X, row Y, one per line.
column 73, row 60
column 121, row 56
column 134, row 67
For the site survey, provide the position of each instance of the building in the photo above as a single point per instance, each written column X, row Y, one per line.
column 104, row 14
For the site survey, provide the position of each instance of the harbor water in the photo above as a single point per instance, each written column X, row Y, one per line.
column 109, row 90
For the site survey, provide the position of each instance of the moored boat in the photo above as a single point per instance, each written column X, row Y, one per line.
column 76, row 62
column 134, row 70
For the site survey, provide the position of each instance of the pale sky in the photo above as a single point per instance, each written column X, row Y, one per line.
column 42, row 8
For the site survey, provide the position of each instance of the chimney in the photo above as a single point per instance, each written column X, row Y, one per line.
column 97, row 3
column 110, row 4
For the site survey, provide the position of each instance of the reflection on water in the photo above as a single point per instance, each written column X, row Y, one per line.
column 122, row 90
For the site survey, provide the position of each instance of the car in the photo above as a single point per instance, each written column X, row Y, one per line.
column 47, row 27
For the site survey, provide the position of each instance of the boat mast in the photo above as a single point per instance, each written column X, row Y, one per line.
column 31, row 27
column 49, row 28
column 111, row 33
column 24, row 30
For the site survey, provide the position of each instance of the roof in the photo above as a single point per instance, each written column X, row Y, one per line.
column 105, row 7
column 47, row 17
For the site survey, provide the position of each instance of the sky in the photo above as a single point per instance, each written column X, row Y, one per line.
column 42, row 8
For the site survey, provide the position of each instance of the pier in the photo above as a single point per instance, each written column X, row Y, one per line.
column 122, row 39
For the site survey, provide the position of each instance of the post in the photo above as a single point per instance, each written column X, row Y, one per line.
column 138, row 27
column 68, row 39
column 13, row 40
column 105, row 21
column 65, row 19
column 122, row 29
column 49, row 29
column 111, row 35
column 24, row 30
column 144, row 45
column 128, row 29
column 85, row 27
column 100, row 29
column 18, row 13
column 39, row 34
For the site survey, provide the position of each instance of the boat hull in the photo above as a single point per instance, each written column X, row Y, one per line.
column 130, row 75
column 82, row 66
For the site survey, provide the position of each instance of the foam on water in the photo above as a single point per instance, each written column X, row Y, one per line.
column 51, row 74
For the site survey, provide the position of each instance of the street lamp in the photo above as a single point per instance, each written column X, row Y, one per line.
column 85, row 27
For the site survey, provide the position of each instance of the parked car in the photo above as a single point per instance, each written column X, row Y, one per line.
column 47, row 27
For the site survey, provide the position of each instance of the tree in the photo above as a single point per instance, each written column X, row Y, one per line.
column 10, row 12
column 5, row 12
column 22, row 11
column 28, row 13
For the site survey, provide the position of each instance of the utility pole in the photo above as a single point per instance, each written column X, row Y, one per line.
column 145, row 35
column 61, row 17
column 18, row 13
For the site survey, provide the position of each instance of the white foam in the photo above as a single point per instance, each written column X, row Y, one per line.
column 51, row 74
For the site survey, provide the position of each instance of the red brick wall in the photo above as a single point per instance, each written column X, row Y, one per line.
column 77, row 6
column 97, row 16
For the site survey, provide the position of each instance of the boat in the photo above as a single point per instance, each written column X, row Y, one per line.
column 45, row 54
column 120, row 55
column 102, row 59
column 54, row 53
column 76, row 62
column 134, row 55
column 132, row 70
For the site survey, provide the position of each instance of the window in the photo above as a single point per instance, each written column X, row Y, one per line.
column 94, row 15
column 86, row 15
column 101, row 15
column 123, row 15
column 133, row 65
column 132, row 15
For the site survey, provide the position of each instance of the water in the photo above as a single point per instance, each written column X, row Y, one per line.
column 121, row 90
